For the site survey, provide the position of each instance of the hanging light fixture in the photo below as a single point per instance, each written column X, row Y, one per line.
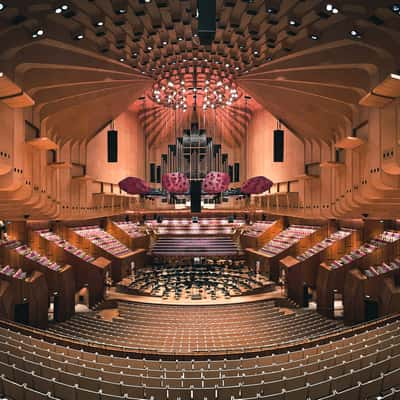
column 195, row 87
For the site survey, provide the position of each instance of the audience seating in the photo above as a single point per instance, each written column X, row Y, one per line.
column 363, row 366
column 205, row 329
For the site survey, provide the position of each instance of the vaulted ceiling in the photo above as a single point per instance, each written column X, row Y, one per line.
column 308, row 62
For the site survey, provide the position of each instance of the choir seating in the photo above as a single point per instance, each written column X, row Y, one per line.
column 195, row 246
column 363, row 365
column 186, row 227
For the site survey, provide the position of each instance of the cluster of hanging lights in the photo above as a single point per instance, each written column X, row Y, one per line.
column 195, row 89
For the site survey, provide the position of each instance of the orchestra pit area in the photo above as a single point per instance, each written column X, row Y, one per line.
column 199, row 200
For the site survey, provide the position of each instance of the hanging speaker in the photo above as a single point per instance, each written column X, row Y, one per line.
column 112, row 146
column 207, row 21
column 158, row 173
column 152, row 173
column 278, row 145
column 230, row 172
column 236, row 172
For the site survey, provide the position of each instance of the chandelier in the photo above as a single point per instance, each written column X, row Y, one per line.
column 195, row 87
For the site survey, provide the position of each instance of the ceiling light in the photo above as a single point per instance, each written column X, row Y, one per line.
column 354, row 33
column 147, row 1
column 2, row 6
column 180, row 38
column 331, row 8
column 79, row 36
column 122, row 59
column 99, row 23
column 314, row 36
column 121, row 11
column 293, row 22
column 58, row 10
column 38, row 33
column 395, row 8
column 149, row 48
column 164, row 43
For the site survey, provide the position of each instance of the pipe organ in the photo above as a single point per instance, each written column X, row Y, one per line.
column 195, row 154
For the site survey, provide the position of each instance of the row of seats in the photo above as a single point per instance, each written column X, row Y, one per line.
column 360, row 367
column 165, row 329
column 195, row 246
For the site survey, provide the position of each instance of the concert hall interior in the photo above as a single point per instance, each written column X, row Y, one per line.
column 199, row 199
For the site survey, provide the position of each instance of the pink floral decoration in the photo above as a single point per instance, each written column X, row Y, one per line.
column 134, row 185
column 256, row 185
column 216, row 182
column 175, row 182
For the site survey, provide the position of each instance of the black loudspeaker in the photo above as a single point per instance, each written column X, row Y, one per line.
column 230, row 172
column 231, row 218
column 158, row 174
column 236, row 172
column 195, row 196
column 371, row 309
column 278, row 145
column 153, row 173
column 112, row 146
column 207, row 21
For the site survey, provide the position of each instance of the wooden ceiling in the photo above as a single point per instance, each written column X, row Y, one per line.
column 296, row 58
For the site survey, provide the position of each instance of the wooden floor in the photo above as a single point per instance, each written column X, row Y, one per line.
column 112, row 294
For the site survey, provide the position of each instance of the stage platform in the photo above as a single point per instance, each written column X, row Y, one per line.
column 114, row 295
